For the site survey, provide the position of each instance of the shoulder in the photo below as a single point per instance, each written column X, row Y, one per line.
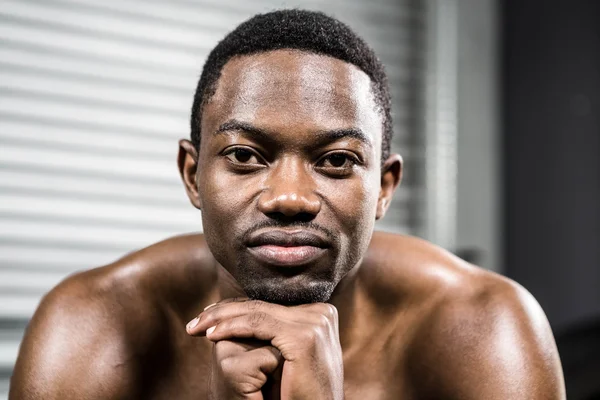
column 80, row 342
column 92, row 334
column 478, row 334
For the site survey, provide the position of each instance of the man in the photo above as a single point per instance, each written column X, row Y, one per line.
column 289, row 294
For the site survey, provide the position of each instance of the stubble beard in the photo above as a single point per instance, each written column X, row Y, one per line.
column 279, row 290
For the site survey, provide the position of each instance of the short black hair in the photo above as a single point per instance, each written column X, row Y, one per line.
column 310, row 31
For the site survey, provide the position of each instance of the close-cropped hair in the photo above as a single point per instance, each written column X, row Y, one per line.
column 309, row 31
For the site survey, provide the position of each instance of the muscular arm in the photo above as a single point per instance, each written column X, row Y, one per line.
column 496, row 344
column 74, row 349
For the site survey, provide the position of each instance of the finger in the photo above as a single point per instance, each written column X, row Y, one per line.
column 240, row 299
column 257, row 364
column 258, row 325
column 223, row 311
column 270, row 358
column 326, row 309
column 228, row 348
column 192, row 324
column 225, row 301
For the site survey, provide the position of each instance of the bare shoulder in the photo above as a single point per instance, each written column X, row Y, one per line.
column 94, row 333
column 478, row 334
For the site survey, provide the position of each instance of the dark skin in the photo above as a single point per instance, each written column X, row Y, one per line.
column 291, row 143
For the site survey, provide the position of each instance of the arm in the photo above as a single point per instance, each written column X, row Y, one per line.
column 496, row 344
column 72, row 349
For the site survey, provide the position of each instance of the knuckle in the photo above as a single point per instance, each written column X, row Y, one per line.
column 276, row 325
column 333, row 312
column 254, row 305
column 212, row 315
column 310, row 335
column 323, row 321
column 221, row 348
column 228, row 366
column 245, row 387
column 256, row 319
column 329, row 311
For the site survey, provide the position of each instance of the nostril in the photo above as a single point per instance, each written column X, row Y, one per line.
column 305, row 217
column 299, row 217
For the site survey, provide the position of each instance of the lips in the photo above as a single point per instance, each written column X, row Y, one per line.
column 287, row 248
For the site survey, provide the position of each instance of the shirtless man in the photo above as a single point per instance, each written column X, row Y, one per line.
column 291, row 172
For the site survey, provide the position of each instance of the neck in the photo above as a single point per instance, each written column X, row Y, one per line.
column 347, row 300
column 228, row 287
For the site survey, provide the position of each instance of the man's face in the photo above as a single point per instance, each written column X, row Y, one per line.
column 289, row 173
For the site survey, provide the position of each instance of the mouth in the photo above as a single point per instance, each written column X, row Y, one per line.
column 282, row 248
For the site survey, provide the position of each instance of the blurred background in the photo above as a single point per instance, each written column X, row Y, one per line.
column 496, row 109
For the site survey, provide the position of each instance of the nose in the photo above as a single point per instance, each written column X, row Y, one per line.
column 290, row 193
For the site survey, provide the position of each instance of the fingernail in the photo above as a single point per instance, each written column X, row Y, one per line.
column 192, row 323
column 209, row 306
column 210, row 330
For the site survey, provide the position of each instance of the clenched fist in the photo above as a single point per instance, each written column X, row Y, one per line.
column 297, row 349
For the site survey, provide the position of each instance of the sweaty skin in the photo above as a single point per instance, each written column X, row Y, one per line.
column 291, row 144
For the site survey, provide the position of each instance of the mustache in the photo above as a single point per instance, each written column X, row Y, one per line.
column 308, row 225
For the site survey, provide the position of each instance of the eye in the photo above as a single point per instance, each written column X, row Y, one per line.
column 338, row 162
column 242, row 155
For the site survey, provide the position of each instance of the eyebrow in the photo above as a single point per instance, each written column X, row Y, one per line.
column 325, row 135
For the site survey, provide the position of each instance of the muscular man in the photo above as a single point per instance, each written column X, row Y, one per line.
column 290, row 164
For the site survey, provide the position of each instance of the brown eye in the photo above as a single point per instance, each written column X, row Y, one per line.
column 240, row 155
column 339, row 164
column 337, row 160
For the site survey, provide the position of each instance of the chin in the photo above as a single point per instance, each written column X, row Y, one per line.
column 287, row 292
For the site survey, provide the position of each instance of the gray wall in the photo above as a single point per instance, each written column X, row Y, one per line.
column 552, row 173
column 552, row 155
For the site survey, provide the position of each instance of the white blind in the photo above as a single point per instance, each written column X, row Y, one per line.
column 93, row 98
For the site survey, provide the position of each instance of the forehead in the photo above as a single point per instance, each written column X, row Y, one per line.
column 291, row 88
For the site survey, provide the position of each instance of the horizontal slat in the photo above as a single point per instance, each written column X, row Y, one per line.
column 97, row 211
column 116, row 94
column 79, row 139
column 21, row 31
column 8, row 353
column 18, row 306
column 34, row 59
column 30, row 256
column 121, row 27
column 187, row 14
column 80, row 188
column 68, row 99
column 70, row 109
column 98, row 127
column 42, row 229
column 31, row 282
column 99, row 59
column 159, row 170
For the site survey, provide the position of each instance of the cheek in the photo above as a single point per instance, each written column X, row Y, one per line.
column 355, row 203
column 224, row 201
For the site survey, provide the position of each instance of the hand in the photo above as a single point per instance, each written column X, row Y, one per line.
column 305, row 336
column 240, row 369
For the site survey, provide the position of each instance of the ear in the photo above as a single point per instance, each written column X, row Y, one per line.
column 187, row 161
column 391, row 175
